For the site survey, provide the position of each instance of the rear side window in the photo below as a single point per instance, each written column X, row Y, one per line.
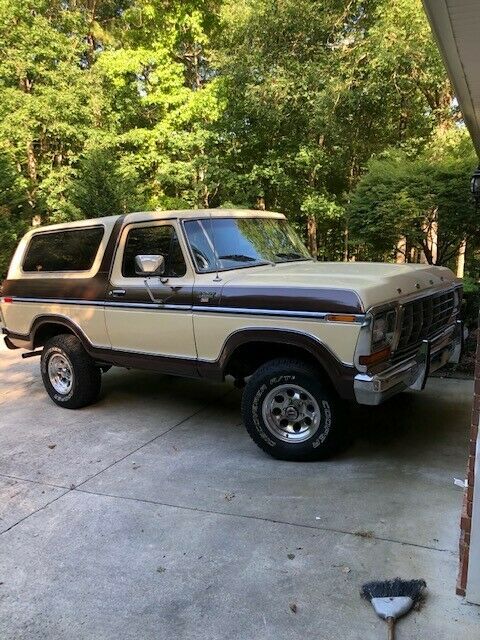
column 68, row 250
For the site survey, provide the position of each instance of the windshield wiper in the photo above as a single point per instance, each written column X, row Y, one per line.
column 239, row 257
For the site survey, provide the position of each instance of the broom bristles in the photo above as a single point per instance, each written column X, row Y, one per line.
column 394, row 588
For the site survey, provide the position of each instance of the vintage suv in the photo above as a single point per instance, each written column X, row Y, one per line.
column 211, row 293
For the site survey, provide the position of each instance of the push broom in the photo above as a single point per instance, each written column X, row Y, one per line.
column 392, row 599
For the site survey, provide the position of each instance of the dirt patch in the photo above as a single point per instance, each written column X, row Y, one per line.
column 364, row 534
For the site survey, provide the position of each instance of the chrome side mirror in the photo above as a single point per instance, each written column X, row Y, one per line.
column 151, row 265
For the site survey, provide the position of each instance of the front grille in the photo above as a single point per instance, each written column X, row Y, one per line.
column 424, row 318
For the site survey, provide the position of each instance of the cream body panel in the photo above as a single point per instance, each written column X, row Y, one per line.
column 156, row 331
column 19, row 317
column 212, row 331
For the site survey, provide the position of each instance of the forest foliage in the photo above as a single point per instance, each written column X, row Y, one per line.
column 337, row 113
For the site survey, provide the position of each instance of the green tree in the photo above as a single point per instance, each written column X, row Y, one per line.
column 261, row 103
column 422, row 198
column 164, row 98
column 47, row 104
column 105, row 187
column 12, row 199
column 313, row 89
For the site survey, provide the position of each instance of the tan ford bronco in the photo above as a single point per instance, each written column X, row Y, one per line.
column 212, row 293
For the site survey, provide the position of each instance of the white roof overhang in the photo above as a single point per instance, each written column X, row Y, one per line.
column 456, row 25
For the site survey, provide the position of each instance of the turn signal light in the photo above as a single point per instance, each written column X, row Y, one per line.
column 340, row 318
column 375, row 358
column 6, row 300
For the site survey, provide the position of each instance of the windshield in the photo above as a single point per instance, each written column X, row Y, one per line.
column 231, row 243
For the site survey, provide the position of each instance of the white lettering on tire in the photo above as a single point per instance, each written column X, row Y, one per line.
column 256, row 413
column 326, row 427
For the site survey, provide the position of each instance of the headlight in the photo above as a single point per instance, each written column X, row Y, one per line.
column 383, row 329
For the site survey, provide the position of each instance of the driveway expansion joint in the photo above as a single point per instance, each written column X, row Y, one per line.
column 75, row 487
column 259, row 518
column 40, row 482
column 160, row 435
column 34, row 512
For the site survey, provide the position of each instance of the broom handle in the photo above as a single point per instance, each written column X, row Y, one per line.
column 391, row 628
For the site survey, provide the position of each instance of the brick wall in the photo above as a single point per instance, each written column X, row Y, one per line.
column 466, row 517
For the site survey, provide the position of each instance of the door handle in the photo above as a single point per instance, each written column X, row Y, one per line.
column 117, row 292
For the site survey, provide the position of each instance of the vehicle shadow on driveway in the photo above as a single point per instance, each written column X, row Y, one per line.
column 414, row 422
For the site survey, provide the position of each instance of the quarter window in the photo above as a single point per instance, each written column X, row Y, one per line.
column 157, row 240
column 66, row 250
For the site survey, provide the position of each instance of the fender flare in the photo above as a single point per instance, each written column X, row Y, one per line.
column 59, row 320
column 340, row 374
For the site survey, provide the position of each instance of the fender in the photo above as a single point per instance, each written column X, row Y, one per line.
column 340, row 374
column 29, row 338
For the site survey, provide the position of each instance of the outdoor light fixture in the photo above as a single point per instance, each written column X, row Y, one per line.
column 475, row 184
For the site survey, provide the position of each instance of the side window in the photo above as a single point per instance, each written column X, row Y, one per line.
column 68, row 250
column 158, row 240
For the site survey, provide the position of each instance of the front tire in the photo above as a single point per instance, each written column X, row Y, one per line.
column 69, row 374
column 290, row 413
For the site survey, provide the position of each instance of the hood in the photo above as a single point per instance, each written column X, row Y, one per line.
column 367, row 283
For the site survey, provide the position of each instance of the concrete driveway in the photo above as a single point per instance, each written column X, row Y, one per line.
column 153, row 515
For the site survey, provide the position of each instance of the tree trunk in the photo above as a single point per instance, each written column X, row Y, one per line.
column 312, row 236
column 91, row 42
column 25, row 85
column 32, row 186
column 401, row 251
column 433, row 239
column 430, row 243
column 260, row 203
column 461, row 259
column 345, row 246
column 203, row 193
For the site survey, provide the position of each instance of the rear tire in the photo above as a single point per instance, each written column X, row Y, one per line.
column 290, row 413
column 69, row 374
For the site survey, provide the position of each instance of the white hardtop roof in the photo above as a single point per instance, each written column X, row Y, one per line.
column 146, row 216
column 186, row 214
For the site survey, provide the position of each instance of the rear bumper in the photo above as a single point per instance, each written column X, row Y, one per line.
column 375, row 388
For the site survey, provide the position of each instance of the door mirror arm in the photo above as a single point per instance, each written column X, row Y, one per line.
column 150, row 293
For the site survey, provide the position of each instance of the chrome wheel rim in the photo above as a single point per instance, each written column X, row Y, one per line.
column 60, row 373
column 291, row 413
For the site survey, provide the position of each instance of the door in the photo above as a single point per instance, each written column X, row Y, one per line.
column 134, row 322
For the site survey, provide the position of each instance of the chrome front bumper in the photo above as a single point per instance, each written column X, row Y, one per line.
column 375, row 388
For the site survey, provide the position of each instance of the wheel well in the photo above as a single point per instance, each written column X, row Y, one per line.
column 248, row 357
column 47, row 331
